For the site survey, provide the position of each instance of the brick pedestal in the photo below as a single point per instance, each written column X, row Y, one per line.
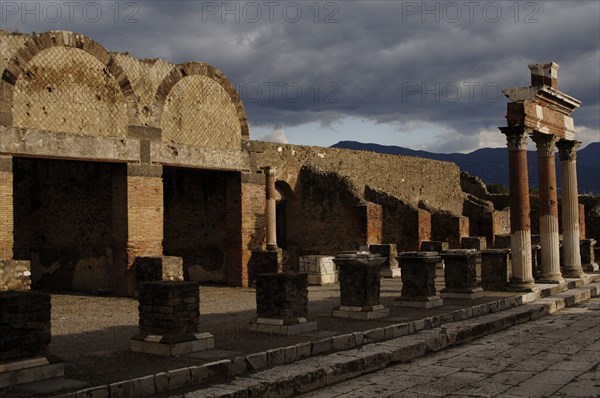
column 588, row 258
column 359, row 287
column 418, row 280
column 390, row 267
column 462, row 274
column 169, row 319
column 321, row 270
column 282, row 304
column 495, row 269
column 24, row 338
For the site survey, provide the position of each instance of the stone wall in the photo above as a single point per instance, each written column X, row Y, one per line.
column 15, row 275
column 434, row 184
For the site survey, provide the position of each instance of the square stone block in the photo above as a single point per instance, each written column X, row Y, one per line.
column 321, row 270
column 434, row 246
column 359, row 282
column 462, row 274
column 289, row 327
column 361, row 313
column 474, row 242
column 495, row 269
column 282, row 295
column 418, row 275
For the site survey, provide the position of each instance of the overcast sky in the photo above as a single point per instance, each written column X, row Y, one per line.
column 424, row 75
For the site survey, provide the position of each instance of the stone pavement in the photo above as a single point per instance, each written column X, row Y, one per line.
column 378, row 352
column 554, row 356
column 269, row 365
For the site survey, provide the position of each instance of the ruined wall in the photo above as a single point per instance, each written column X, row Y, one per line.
column 63, row 222
column 199, row 224
column 434, row 184
column 343, row 199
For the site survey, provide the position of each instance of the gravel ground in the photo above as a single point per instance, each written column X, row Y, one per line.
column 91, row 333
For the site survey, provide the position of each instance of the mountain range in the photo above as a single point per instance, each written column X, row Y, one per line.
column 491, row 164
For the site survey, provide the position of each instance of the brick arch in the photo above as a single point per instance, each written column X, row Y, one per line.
column 17, row 64
column 198, row 69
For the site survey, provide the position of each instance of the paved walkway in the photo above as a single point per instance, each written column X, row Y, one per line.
column 555, row 356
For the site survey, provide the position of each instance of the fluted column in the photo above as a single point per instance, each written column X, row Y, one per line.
column 520, row 229
column 549, row 241
column 270, row 209
column 570, row 209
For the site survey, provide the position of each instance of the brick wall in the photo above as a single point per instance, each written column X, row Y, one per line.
column 137, row 220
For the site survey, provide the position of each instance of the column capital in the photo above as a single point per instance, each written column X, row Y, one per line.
column 545, row 143
column 516, row 138
column 567, row 149
column 269, row 170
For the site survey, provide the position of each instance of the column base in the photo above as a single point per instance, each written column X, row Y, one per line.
column 284, row 327
column 573, row 273
column 418, row 302
column 361, row 313
column 518, row 285
column 468, row 294
column 550, row 278
column 172, row 345
column 29, row 370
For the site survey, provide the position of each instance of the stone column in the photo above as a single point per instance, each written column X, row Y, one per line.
column 549, row 241
column 570, row 209
column 270, row 209
column 6, row 208
column 522, row 278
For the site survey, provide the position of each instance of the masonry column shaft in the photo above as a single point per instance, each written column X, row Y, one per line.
column 270, row 210
column 548, row 210
column 570, row 208
column 520, row 229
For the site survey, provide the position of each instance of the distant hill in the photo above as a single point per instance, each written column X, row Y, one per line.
column 491, row 164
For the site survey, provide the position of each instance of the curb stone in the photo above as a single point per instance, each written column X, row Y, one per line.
column 294, row 355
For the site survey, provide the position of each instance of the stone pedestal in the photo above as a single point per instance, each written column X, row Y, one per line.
column 474, row 242
column 462, row 271
column 390, row 267
column 321, row 270
column 282, row 304
column 418, row 280
column 24, row 338
column 169, row 319
column 359, row 287
column 588, row 258
column 495, row 269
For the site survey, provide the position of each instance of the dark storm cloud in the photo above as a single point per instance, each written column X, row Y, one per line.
column 393, row 62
